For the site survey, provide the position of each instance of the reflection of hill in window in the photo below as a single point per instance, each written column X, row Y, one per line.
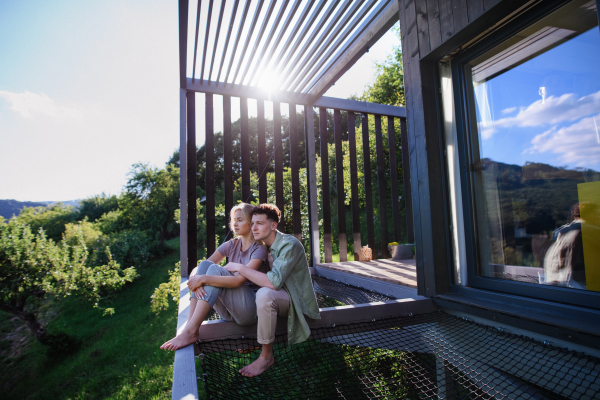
column 539, row 196
column 533, row 170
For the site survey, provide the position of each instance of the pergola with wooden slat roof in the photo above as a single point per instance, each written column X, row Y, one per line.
column 235, row 46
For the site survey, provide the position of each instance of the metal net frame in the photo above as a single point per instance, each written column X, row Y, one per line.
column 425, row 356
column 332, row 293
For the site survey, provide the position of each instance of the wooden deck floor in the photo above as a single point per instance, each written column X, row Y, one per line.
column 401, row 272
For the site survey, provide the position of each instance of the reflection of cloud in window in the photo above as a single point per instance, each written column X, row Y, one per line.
column 509, row 110
column 556, row 110
column 576, row 144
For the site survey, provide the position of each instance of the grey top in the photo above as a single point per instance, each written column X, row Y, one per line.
column 232, row 249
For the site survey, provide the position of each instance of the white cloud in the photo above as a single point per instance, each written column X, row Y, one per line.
column 29, row 104
column 576, row 144
column 509, row 110
column 554, row 111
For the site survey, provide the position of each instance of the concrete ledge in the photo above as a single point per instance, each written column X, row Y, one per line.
column 185, row 385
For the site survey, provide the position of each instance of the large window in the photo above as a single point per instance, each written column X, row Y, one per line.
column 530, row 111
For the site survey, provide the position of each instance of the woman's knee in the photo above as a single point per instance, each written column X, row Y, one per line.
column 214, row 270
column 194, row 272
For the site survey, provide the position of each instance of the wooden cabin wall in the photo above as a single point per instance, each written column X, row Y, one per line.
column 434, row 27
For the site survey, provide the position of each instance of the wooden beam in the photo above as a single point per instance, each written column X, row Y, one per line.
column 185, row 385
column 330, row 317
column 183, row 249
column 361, row 107
column 183, row 34
column 313, row 203
column 246, row 91
column 408, row 209
column 208, row 19
column 348, row 56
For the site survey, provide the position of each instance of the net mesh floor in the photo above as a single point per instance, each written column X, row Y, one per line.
column 427, row 356
column 332, row 293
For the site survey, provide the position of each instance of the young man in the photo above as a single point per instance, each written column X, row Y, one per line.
column 286, row 290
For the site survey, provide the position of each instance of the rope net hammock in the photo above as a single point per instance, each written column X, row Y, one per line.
column 426, row 356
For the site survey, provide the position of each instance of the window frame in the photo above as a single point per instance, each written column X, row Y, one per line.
column 463, row 114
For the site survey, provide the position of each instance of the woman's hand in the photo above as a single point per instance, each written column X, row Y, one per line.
column 196, row 282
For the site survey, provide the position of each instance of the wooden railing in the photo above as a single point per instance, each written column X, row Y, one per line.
column 373, row 189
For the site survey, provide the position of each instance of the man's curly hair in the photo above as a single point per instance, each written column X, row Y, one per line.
column 270, row 210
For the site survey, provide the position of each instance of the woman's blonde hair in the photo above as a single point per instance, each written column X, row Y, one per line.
column 246, row 209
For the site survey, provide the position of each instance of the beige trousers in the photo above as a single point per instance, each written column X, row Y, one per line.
column 269, row 304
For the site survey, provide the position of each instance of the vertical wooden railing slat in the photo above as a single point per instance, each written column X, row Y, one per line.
column 227, row 161
column 341, row 196
column 210, row 176
column 279, row 199
column 262, row 151
column 381, row 187
column 325, row 191
column 368, row 188
column 183, row 219
column 295, row 165
column 311, row 184
column 354, row 185
column 394, row 180
column 410, row 232
column 192, row 173
column 245, row 148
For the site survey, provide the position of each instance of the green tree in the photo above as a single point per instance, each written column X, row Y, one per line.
column 34, row 268
column 51, row 219
column 96, row 206
column 150, row 199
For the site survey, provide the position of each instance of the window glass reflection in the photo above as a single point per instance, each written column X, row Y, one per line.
column 536, row 157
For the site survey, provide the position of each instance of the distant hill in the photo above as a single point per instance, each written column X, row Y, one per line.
column 8, row 208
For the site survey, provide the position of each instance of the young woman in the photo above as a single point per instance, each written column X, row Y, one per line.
column 211, row 285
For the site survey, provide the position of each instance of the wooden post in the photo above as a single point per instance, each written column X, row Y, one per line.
column 227, row 161
column 410, row 232
column 325, row 193
column 381, row 186
column 192, row 171
column 313, row 203
column 245, row 149
column 294, row 163
column 354, row 185
column 262, row 157
column 183, row 256
column 210, row 176
column 341, row 196
column 279, row 199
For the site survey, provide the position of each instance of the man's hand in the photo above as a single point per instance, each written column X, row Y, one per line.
column 234, row 267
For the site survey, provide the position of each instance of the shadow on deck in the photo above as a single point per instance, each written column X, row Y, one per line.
column 401, row 272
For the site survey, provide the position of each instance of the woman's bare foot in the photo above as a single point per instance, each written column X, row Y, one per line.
column 183, row 339
column 257, row 367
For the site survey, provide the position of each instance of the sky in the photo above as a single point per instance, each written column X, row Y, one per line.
column 89, row 88
column 560, row 128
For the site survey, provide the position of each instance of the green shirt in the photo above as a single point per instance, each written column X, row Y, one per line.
column 290, row 271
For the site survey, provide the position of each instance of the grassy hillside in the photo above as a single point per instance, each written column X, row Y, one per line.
column 119, row 355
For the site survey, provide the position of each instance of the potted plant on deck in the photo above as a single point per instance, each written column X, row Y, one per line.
column 400, row 251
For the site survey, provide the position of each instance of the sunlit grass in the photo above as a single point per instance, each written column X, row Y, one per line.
column 119, row 358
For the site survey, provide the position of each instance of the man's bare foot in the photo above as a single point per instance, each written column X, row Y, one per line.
column 257, row 367
column 183, row 339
